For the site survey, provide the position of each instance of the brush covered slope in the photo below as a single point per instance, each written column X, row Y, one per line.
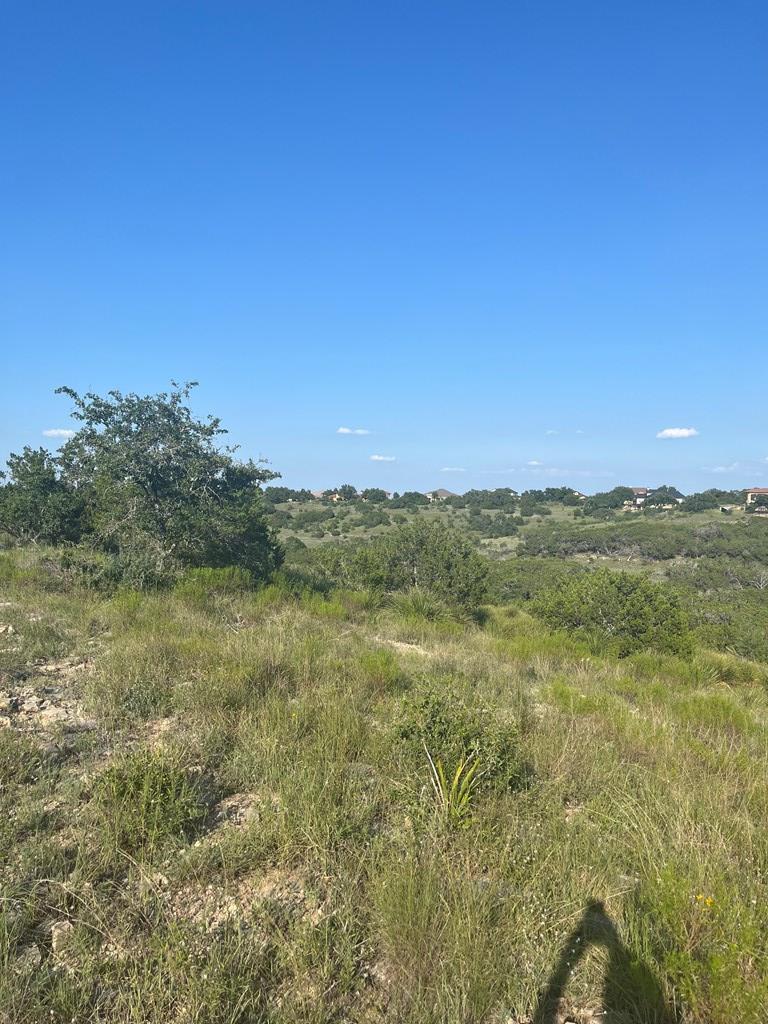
column 231, row 805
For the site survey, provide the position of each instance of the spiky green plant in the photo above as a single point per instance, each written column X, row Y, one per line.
column 453, row 794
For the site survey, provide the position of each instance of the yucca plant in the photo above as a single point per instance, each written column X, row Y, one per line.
column 454, row 794
column 418, row 603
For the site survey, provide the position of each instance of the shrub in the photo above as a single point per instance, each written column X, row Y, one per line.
column 84, row 566
column 423, row 555
column 628, row 612
column 522, row 579
column 455, row 732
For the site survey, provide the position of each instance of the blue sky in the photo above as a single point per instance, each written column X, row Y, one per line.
column 512, row 241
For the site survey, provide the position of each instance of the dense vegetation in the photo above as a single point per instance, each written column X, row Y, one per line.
column 144, row 482
column 271, row 757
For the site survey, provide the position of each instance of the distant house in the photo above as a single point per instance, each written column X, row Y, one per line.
column 754, row 493
column 316, row 494
column 638, row 499
column 439, row 495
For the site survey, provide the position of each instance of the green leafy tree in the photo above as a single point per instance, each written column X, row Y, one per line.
column 374, row 494
column 36, row 504
column 608, row 500
column 503, row 498
column 426, row 555
column 629, row 612
column 712, row 498
column 347, row 491
column 547, row 495
column 160, row 487
column 529, row 506
column 277, row 495
column 664, row 495
column 409, row 499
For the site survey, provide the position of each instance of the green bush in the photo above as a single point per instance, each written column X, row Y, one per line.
column 626, row 612
column 427, row 556
column 454, row 731
column 83, row 566
column 522, row 579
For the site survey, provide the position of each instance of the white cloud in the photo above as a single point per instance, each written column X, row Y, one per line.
column 58, row 432
column 730, row 468
column 382, row 458
column 674, row 432
column 453, row 469
column 551, row 433
column 353, row 430
column 534, row 462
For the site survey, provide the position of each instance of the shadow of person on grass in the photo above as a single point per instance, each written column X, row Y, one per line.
column 631, row 992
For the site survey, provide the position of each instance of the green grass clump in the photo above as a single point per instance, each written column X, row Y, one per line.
column 381, row 669
column 21, row 759
column 416, row 603
column 205, row 583
column 146, row 799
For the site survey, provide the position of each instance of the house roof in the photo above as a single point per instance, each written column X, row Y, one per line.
column 639, row 490
column 757, row 490
column 442, row 493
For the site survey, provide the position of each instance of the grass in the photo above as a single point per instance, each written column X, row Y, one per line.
column 336, row 893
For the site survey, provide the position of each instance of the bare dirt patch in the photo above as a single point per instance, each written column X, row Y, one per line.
column 47, row 698
column 235, row 901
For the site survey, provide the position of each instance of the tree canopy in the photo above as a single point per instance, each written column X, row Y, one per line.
column 426, row 555
column 144, row 479
column 626, row 611
column 36, row 504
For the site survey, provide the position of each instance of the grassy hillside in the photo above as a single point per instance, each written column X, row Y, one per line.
column 716, row 564
column 320, row 521
column 240, row 806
